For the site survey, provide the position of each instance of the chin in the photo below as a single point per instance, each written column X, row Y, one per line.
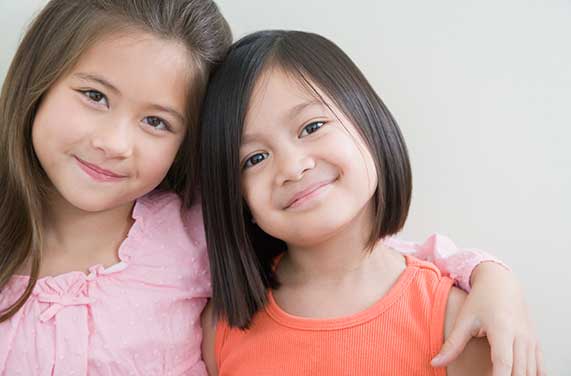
column 311, row 234
column 94, row 204
column 321, row 226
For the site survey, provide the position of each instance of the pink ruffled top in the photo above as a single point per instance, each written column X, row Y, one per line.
column 140, row 316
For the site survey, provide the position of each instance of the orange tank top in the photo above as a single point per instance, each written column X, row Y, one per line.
column 398, row 335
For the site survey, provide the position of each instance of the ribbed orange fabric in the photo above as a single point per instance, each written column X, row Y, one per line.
column 398, row 335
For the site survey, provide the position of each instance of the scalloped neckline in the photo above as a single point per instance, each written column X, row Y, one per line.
column 99, row 269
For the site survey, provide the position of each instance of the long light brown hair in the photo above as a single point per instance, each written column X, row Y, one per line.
column 55, row 40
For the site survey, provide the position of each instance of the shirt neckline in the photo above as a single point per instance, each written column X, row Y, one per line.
column 123, row 254
column 384, row 303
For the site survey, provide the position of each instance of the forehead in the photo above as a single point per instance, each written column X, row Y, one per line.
column 140, row 65
column 280, row 98
column 278, row 94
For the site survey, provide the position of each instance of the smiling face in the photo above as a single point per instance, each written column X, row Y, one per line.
column 107, row 132
column 306, row 172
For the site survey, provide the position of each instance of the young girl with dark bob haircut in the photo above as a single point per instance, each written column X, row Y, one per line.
column 305, row 177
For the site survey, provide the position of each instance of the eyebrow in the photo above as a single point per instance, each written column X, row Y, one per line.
column 110, row 86
column 294, row 111
column 169, row 110
column 98, row 79
column 297, row 109
column 247, row 138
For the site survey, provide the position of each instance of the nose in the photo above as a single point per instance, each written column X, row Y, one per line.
column 114, row 138
column 292, row 162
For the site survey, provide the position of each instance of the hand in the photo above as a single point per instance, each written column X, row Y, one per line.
column 495, row 308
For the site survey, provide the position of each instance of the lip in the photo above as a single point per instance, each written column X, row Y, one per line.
column 98, row 173
column 300, row 197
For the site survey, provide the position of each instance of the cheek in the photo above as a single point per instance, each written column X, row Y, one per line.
column 371, row 173
column 357, row 166
column 47, row 135
column 361, row 161
column 57, row 123
column 256, row 197
column 249, row 194
column 154, row 159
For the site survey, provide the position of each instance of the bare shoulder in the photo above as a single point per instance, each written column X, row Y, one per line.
column 208, row 339
column 475, row 359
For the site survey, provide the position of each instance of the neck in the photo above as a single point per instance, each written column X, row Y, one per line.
column 339, row 272
column 334, row 258
column 81, row 235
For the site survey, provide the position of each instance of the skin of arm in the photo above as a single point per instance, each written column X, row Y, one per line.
column 475, row 359
column 208, row 339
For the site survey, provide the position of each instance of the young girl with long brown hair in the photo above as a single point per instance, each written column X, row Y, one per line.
column 98, row 275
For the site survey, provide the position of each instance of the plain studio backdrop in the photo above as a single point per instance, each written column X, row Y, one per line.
column 482, row 91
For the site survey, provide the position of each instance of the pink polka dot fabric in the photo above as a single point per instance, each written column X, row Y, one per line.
column 140, row 316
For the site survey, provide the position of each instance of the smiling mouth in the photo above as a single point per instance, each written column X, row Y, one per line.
column 307, row 194
column 98, row 173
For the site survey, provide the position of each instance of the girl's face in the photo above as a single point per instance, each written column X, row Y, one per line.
column 107, row 132
column 306, row 172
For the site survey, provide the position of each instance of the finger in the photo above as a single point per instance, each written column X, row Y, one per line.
column 531, row 360
column 461, row 333
column 520, row 358
column 541, row 371
column 502, row 351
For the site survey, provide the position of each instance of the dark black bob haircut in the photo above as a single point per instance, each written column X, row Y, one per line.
column 240, row 253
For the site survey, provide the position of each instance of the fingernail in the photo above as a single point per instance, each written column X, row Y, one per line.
column 436, row 359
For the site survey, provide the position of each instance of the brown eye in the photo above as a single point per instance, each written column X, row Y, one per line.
column 311, row 128
column 96, row 96
column 156, row 123
column 255, row 159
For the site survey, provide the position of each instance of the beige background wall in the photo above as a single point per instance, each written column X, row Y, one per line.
column 482, row 91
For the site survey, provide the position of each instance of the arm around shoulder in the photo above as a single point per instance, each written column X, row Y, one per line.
column 208, row 340
column 475, row 359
